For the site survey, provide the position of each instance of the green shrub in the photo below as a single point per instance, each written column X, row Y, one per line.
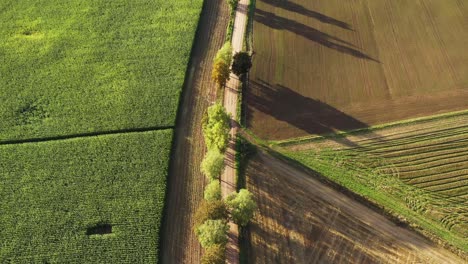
column 225, row 54
column 212, row 191
column 213, row 164
column 241, row 206
column 213, row 232
column 216, row 127
column 215, row 254
column 221, row 65
column 210, row 210
column 232, row 4
column 220, row 73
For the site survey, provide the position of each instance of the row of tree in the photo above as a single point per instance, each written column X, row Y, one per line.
column 212, row 216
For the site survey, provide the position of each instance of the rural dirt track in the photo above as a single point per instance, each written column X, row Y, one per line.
column 231, row 93
column 185, row 184
column 301, row 220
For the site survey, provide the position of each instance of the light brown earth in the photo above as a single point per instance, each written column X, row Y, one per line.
column 301, row 220
column 328, row 65
column 185, row 184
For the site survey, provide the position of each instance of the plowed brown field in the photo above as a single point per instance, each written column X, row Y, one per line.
column 301, row 220
column 186, row 182
column 327, row 65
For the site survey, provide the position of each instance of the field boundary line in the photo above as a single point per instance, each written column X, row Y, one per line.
column 84, row 135
column 306, row 139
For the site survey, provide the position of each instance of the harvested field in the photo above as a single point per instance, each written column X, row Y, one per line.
column 301, row 220
column 329, row 65
column 86, row 66
column 418, row 170
column 186, row 182
column 84, row 200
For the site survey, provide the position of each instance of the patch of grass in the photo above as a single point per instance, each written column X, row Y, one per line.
column 232, row 18
column 376, row 128
column 85, row 200
column 248, row 40
column 88, row 66
column 244, row 151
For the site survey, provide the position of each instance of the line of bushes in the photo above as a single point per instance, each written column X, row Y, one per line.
column 213, row 214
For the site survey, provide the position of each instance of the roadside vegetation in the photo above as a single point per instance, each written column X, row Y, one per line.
column 232, row 9
column 213, row 214
column 211, row 224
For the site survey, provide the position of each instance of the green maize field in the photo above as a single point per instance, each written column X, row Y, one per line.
column 54, row 194
column 69, row 67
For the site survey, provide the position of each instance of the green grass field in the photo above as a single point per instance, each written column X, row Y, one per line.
column 418, row 171
column 81, row 66
column 52, row 192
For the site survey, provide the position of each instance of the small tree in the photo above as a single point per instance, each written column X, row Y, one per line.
column 241, row 206
column 225, row 53
column 215, row 254
column 210, row 210
column 222, row 62
column 213, row 164
column 216, row 127
column 213, row 232
column 220, row 73
column 242, row 63
column 212, row 191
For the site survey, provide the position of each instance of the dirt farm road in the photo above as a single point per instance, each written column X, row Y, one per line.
column 186, row 183
column 228, row 179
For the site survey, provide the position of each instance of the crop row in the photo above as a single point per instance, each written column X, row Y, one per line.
column 84, row 200
column 425, row 171
column 81, row 66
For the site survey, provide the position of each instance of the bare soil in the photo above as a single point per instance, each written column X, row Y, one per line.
column 328, row 65
column 186, row 182
column 301, row 220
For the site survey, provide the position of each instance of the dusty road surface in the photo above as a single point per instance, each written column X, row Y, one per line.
column 301, row 220
column 185, row 184
column 228, row 179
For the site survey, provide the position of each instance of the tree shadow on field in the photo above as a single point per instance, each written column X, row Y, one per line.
column 307, row 114
column 296, row 8
column 296, row 223
column 273, row 21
